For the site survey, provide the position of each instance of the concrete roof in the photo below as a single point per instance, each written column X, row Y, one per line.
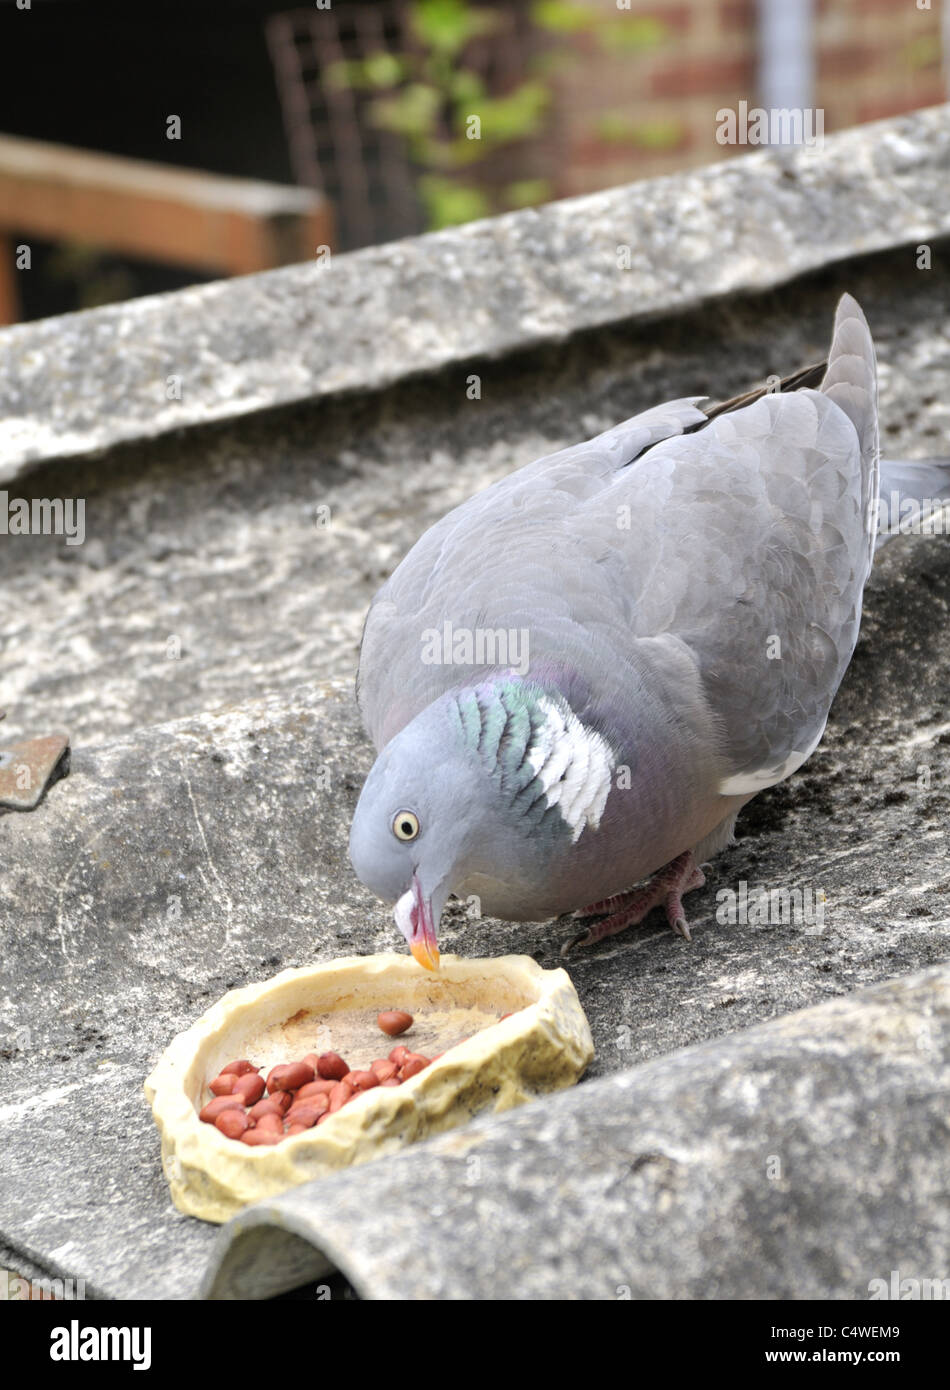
column 195, row 777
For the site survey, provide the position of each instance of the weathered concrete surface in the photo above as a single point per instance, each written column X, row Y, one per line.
column 188, row 858
column 183, row 857
column 79, row 383
column 801, row 1159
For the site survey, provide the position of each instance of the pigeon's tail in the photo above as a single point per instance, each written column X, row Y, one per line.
column 851, row 382
column 912, row 497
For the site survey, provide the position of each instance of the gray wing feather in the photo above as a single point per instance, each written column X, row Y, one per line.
column 731, row 560
column 488, row 561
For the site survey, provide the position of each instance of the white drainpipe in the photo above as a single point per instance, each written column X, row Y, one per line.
column 786, row 57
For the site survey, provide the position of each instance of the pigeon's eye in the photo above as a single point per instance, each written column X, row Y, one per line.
column 405, row 825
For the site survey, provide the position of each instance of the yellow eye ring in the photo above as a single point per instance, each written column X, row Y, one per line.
column 405, row 825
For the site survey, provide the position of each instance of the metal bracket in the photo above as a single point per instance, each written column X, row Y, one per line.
column 29, row 767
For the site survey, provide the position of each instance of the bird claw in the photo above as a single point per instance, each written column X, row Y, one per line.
column 578, row 940
column 665, row 889
column 681, row 928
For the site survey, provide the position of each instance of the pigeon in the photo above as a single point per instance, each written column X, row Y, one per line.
column 576, row 679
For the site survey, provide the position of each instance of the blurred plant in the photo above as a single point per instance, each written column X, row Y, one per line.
column 449, row 120
column 616, row 129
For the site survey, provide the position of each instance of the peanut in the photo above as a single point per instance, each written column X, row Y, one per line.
column 239, row 1068
column 362, row 1080
column 250, row 1087
column 394, row 1021
column 270, row 1105
column 315, row 1103
column 383, row 1070
column 340, row 1094
column 233, row 1123
column 320, row 1087
column 224, row 1084
column 413, row 1064
column 302, row 1117
column 289, row 1077
column 213, row 1109
column 260, row 1136
column 331, row 1066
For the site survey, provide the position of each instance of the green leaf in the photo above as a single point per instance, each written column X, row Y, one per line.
column 631, row 33
column 412, row 112
column 616, row 128
column 923, row 52
column 561, row 17
column 339, row 76
column 466, row 86
column 511, row 117
column 447, row 25
column 383, row 69
column 448, row 204
column 527, row 193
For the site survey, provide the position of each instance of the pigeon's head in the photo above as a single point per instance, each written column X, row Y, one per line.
column 424, row 807
column 483, row 793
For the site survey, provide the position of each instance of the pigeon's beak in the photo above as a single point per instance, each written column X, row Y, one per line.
column 414, row 918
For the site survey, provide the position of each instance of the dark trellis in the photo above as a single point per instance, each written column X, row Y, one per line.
column 335, row 146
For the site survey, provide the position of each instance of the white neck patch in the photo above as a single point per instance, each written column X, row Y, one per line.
column 573, row 764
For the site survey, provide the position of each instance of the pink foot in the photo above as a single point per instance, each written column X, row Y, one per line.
column 666, row 887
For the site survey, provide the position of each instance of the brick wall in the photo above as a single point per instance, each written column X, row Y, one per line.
column 636, row 113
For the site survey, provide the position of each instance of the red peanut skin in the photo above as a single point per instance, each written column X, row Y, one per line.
column 270, row 1105
column 210, row 1112
column 233, row 1123
column 383, row 1070
column 340, row 1094
column 393, row 1081
column 270, row 1124
column 250, row 1087
column 303, row 1117
column 412, row 1066
column 362, row 1080
column 320, row 1087
column 331, row 1066
column 224, row 1084
column 316, row 1103
column 394, row 1021
column 239, row 1068
column 258, row 1136
column 399, row 1054
column 289, row 1077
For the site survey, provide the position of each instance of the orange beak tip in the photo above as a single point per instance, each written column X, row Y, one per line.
column 426, row 956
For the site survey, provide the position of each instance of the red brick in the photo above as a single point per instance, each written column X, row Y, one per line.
column 737, row 14
column 879, row 110
column 697, row 77
column 850, row 59
column 895, row 7
column 593, row 151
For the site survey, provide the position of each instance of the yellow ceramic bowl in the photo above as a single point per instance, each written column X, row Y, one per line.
column 489, row 1063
